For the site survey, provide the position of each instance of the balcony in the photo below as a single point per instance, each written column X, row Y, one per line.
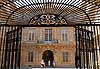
column 47, row 42
column 41, row 41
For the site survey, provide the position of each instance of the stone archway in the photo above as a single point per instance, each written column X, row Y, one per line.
column 47, row 57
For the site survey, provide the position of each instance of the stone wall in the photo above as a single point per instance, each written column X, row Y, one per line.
column 55, row 48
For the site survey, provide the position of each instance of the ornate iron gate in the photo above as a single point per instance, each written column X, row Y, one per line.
column 87, row 47
column 10, row 47
column 22, row 12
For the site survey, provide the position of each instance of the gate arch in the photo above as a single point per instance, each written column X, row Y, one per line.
column 48, row 56
column 11, row 8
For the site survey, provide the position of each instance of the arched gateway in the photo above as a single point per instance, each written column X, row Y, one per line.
column 48, row 58
column 82, row 15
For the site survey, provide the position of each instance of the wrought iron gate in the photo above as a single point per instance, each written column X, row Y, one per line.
column 87, row 46
column 10, row 47
column 23, row 12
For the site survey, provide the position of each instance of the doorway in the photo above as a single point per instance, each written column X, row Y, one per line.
column 48, row 58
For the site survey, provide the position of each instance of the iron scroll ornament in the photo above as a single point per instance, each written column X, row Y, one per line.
column 48, row 19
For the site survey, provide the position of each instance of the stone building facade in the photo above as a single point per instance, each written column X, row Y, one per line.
column 37, row 40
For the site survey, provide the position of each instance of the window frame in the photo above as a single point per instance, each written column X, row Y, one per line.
column 65, row 56
column 31, row 36
column 30, row 56
column 64, row 34
column 49, row 34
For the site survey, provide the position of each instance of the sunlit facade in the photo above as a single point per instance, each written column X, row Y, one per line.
column 59, row 40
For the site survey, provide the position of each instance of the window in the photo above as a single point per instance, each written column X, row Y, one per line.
column 65, row 56
column 32, row 36
column 29, row 36
column 30, row 56
column 48, row 34
column 64, row 34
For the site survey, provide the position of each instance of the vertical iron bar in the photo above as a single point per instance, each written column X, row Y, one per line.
column 76, row 33
column 9, row 49
column 92, row 46
column 5, row 56
column 1, row 41
column 86, row 45
column 12, row 56
column 98, row 43
column 89, row 40
column 16, row 45
column 79, row 47
column 19, row 53
column 94, row 66
column 83, row 46
column 1, row 50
